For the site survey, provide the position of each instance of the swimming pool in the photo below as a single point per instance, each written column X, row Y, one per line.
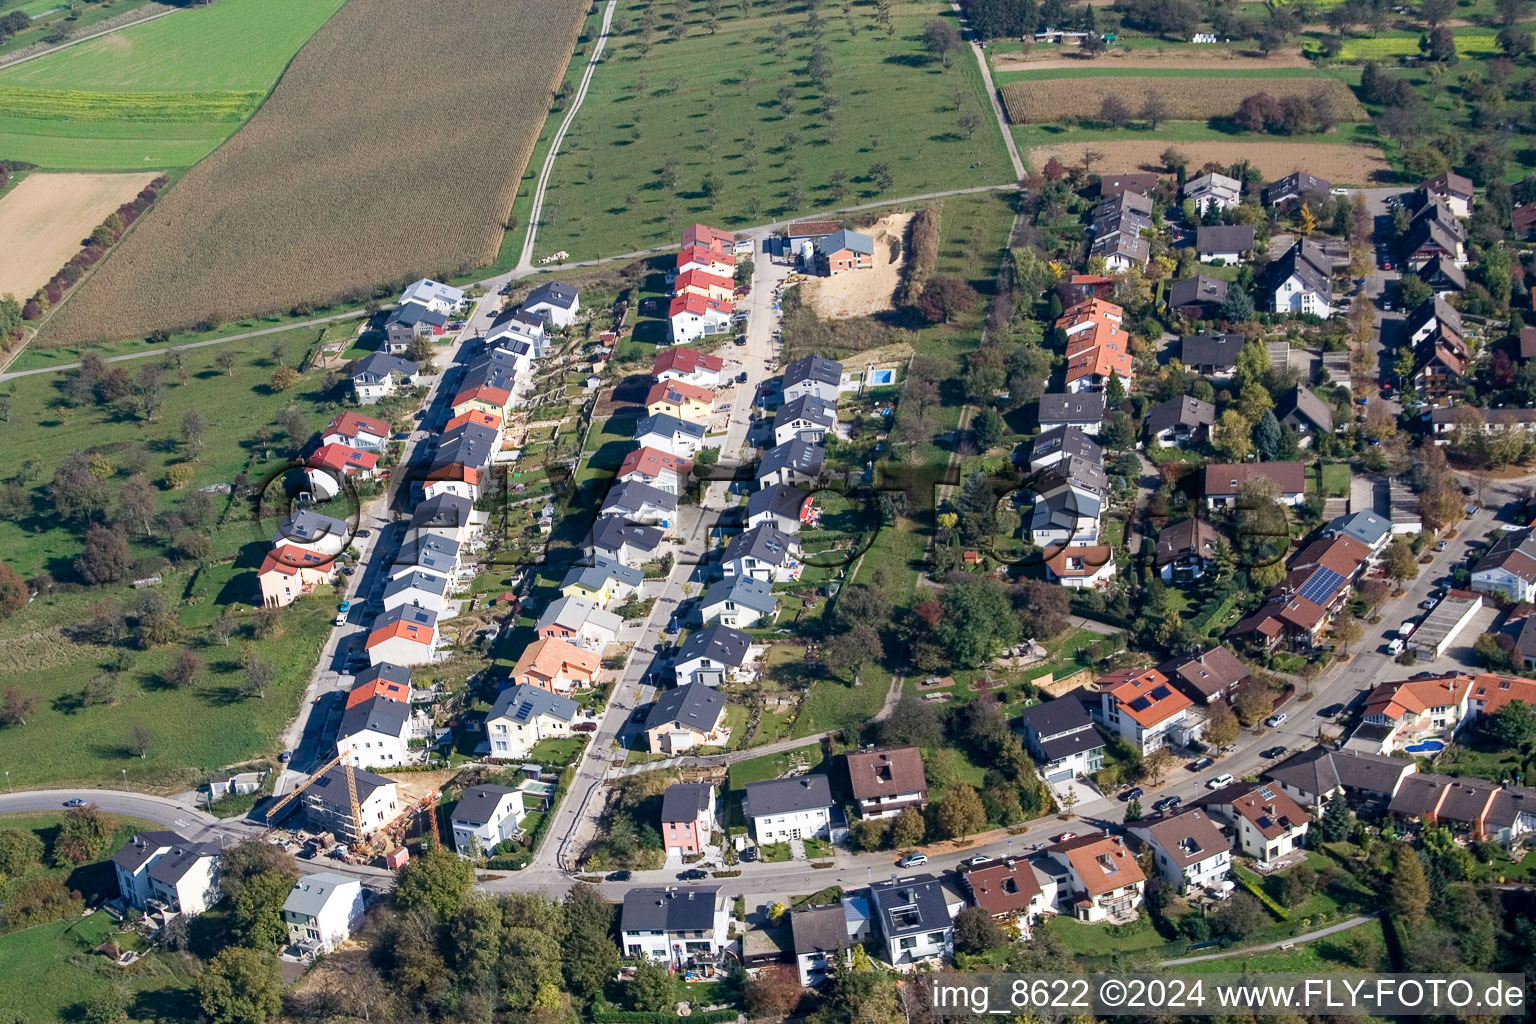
column 877, row 377
column 1425, row 747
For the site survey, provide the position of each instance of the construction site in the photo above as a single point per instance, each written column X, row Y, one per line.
column 357, row 816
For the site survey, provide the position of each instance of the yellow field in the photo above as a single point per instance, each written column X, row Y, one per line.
column 45, row 219
column 1193, row 98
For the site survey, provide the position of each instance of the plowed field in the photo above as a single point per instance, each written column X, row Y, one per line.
column 1193, row 98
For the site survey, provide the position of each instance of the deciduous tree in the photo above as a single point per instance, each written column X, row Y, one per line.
column 960, row 812
column 241, row 986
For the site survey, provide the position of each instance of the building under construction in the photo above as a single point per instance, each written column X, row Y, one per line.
column 363, row 811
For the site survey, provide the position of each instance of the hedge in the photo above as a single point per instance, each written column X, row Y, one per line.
column 641, row 1017
column 1251, row 883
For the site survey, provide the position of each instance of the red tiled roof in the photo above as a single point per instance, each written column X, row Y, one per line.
column 653, row 462
column 685, row 361
column 1003, row 887
column 703, row 254
column 1100, row 348
column 708, row 237
column 350, row 424
column 342, row 459
column 1146, row 696
column 694, row 303
column 479, row 417
column 399, row 692
column 403, row 630
column 485, row 393
column 678, row 392
column 702, row 279
column 288, row 560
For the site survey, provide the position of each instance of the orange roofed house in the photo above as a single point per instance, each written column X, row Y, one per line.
column 699, row 257
column 693, row 315
column 289, row 572
column 1143, row 708
column 685, row 401
column 392, row 682
column 1097, row 345
column 1097, row 878
column 703, row 283
column 656, row 468
column 706, row 237
column 404, row 635
column 1399, row 713
column 479, row 417
column 556, row 665
column 355, row 430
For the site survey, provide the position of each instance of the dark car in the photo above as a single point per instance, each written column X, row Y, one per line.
column 741, row 378
column 1200, row 765
column 1167, row 803
column 616, row 876
column 1331, row 710
column 1272, row 752
column 741, row 339
column 692, row 875
column 749, row 854
column 1134, row 793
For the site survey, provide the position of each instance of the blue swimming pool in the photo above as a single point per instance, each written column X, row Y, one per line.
column 882, row 376
column 1426, row 747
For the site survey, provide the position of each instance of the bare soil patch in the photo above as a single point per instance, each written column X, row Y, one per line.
column 1339, row 163
column 865, row 292
column 1195, row 98
column 45, row 219
column 1048, row 58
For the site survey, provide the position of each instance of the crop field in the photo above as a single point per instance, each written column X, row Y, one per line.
column 1192, row 98
column 1342, row 164
column 363, row 167
column 728, row 125
column 1470, row 43
column 162, row 94
column 44, row 219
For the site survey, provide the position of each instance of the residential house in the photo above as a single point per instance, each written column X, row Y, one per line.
column 1065, row 516
column 1267, row 824
column 656, row 468
column 1509, row 567
column 888, row 780
column 845, row 250
column 524, row 715
column 355, row 430
column 378, row 376
column 1078, row 287
column 820, row 937
column 763, row 553
column 1098, row 347
column 554, row 303
column 1143, row 708
column 1189, row 850
column 1302, row 281
column 1402, row 712
column 416, row 587
column 1084, row 410
column 1127, row 214
column 1185, row 549
column 1009, row 889
column 1300, row 409
column 1489, row 692
column 1293, row 189
column 1223, row 482
column 478, row 417
column 688, row 822
column 1431, row 317
column 331, row 464
column 1226, row 244
column 485, row 817
column 1434, row 232
column 1212, row 675
column 328, row 804
column 1459, row 804
column 323, row 910
column 163, row 866
column 1197, row 298
column 698, row 257
column 707, row 286
column 716, row 655
column 605, row 582
column 426, row 552
column 375, row 733
column 1522, row 221
column 1058, row 443
column 1060, row 734
column 710, row 239
column 1527, row 344
column 492, row 398
column 625, row 542
column 407, row 323
column 1452, row 189
column 680, row 400
column 1446, row 421
column 1101, row 880
column 404, row 635
column 1213, row 191
column 1524, row 654
column 1113, row 185
column 685, row 718
column 392, row 682
column 675, row 925
column 1444, row 276
column 738, row 601
column 915, row 917
column 1315, row 589
column 521, row 334
column 311, row 531
column 288, row 573
column 640, row 503
column 689, row 366
column 1440, row 362
column 813, row 376
column 1080, row 565
column 807, row 418
column 782, row 506
column 556, row 665
column 783, row 809
column 1179, row 422
column 1211, row 355
column 692, row 317
column 1312, row 776
column 449, row 516
column 793, row 462
column 1365, row 526
column 434, row 295
column 670, row 434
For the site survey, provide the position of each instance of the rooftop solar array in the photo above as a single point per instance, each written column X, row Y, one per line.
column 1320, row 586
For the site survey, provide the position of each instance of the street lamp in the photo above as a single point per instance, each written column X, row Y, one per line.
column 125, row 779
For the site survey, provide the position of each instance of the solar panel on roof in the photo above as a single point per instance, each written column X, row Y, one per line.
column 1160, row 693
column 1320, row 585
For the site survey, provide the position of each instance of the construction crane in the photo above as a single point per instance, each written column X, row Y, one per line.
column 357, row 814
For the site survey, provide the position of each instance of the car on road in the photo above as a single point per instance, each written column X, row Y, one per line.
column 1395, row 646
column 74, row 802
column 1428, row 603
column 1441, row 545
column 616, row 876
column 1064, row 837
column 692, row 875
column 980, row 858
column 1220, row 781
column 345, row 606
column 1331, row 710
column 913, row 860
column 741, row 378
column 1272, row 752
column 1200, row 764
column 1167, row 803
column 1134, row 793
column 1274, row 720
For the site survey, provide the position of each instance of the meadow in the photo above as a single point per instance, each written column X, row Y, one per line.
column 363, row 168
column 1190, row 98
column 159, row 95
column 727, row 123
column 1471, row 43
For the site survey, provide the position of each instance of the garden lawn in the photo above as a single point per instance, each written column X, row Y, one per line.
column 1334, row 952
column 709, row 103
column 1091, row 939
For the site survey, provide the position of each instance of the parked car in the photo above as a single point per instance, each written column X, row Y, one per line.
column 1441, row 545
column 749, row 854
column 1220, row 781
column 1134, row 793
column 1200, row 764
column 1331, row 710
column 1395, row 647
column 344, row 607
column 340, row 619
column 741, row 339
column 913, row 860
column 1064, row 837
column 616, row 876
column 1272, row 752
column 584, row 727
column 741, row 378
column 1428, row 602
column 692, row 875
column 1274, row 720
column 285, row 757
column 1167, row 803
column 980, row 858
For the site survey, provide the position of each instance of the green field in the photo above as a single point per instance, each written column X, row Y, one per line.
column 1099, row 71
column 710, row 104
column 1470, row 43
column 159, row 95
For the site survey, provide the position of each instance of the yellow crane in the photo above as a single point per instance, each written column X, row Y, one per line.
column 357, row 814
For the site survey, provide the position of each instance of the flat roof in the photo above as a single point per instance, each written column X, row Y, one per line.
column 1447, row 618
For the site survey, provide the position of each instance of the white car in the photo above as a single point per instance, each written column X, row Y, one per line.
column 1219, row 782
column 1275, row 719
column 980, row 858
column 913, row 860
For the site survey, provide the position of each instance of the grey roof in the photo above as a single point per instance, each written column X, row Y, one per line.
column 1292, row 185
column 1117, row 208
column 764, row 543
column 1197, row 290
column 807, row 407
column 385, row 671
column 845, row 239
column 610, row 533
column 406, row 613
column 1066, row 509
column 1320, row 770
column 331, row 788
column 575, row 612
column 308, row 526
column 905, row 906
column 1511, row 802
column 556, row 293
column 813, row 368
column 1365, row 526
column 592, row 576
column 1075, row 471
column 429, row 551
column 1069, row 441
column 718, row 643
column 411, row 313
column 784, row 500
column 1444, row 268
column 1437, row 309
column 516, row 316
column 1224, row 238
column 694, row 705
column 1083, row 407
column 668, row 426
column 1306, row 261
column 526, row 702
column 631, row 495
column 800, row 456
column 1218, row 350
column 1302, row 403
column 742, row 590
column 311, row 893
column 687, row 908
column 819, row 930
column 172, row 866
column 443, row 510
column 376, row 714
column 416, row 579
column 479, row 803
column 143, row 846
column 1122, row 243
column 685, row 801
column 1071, row 743
column 784, row 796
column 378, row 366
column 1183, row 411
column 1525, row 644
column 1064, row 714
